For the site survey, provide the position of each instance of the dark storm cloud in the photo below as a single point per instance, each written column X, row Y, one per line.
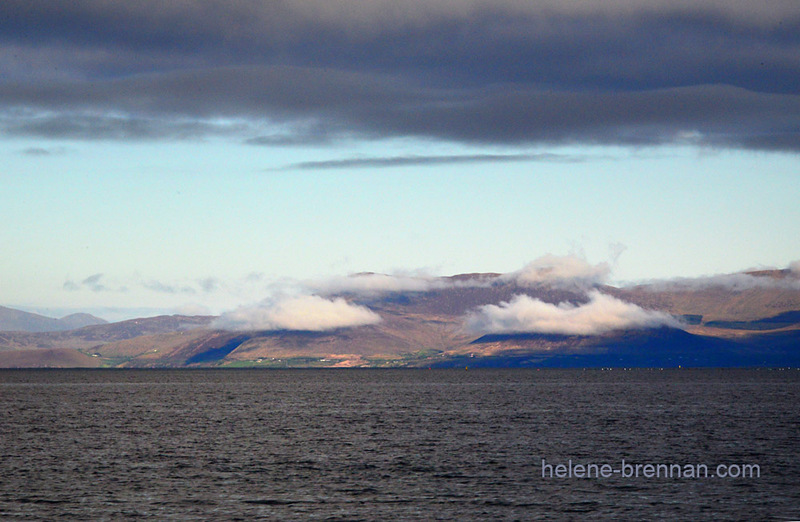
column 279, row 93
column 720, row 73
column 107, row 126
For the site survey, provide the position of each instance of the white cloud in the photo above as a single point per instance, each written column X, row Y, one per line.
column 560, row 271
column 307, row 313
column 603, row 313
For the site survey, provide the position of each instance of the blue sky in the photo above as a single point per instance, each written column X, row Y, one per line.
column 191, row 161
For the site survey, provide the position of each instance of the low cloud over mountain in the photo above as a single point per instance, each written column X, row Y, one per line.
column 566, row 272
column 560, row 271
column 306, row 313
column 786, row 279
column 603, row 313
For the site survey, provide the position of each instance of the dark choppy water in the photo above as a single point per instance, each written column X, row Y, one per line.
column 406, row 444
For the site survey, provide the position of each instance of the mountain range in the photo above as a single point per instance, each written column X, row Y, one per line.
column 11, row 319
column 469, row 320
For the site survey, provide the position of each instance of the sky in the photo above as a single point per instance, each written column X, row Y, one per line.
column 194, row 157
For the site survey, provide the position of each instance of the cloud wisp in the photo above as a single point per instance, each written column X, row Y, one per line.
column 98, row 283
column 372, row 284
column 422, row 161
column 94, row 283
column 712, row 72
column 298, row 313
column 602, row 313
column 738, row 282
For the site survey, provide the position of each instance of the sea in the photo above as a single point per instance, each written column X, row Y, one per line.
column 369, row 444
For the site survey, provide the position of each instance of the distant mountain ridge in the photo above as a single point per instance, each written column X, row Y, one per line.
column 720, row 324
column 12, row 320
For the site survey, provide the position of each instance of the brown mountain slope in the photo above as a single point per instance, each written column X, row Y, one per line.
column 47, row 358
column 92, row 337
column 714, row 303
